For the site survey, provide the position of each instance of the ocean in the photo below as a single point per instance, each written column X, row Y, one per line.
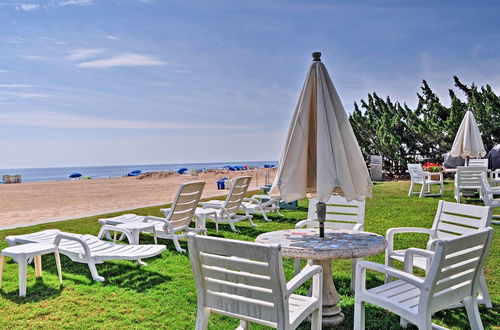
column 62, row 173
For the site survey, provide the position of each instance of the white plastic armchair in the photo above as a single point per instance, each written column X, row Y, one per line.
column 340, row 214
column 452, row 220
column 418, row 176
column 490, row 195
column 246, row 281
column 467, row 178
column 453, row 277
column 261, row 204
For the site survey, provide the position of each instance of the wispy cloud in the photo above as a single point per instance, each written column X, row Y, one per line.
column 84, row 53
column 4, row 71
column 27, row 95
column 14, row 86
column 28, row 6
column 75, row 3
column 111, row 37
column 58, row 120
column 127, row 59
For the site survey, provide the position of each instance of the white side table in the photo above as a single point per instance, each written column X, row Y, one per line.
column 201, row 217
column 21, row 253
column 136, row 228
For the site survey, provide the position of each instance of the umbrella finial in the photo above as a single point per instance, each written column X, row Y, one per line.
column 316, row 56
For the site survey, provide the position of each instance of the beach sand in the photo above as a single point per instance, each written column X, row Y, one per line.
column 37, row 202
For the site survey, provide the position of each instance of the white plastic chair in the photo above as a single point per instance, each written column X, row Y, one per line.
column 489, row 194
column 340, row 214
column 453, row 277
column 467, row 177
column 482, row 162
column 418, row 176
column 452, row 220
column 225, row 211
column 262, row 204
column 246, row 281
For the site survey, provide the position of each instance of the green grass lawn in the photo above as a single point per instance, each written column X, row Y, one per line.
column 162, row 294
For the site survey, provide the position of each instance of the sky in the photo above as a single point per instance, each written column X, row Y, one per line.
column 111, row 82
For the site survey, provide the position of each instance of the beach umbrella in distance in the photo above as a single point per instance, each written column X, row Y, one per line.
column 321, row 154
column 468, row 142
column 75, row 175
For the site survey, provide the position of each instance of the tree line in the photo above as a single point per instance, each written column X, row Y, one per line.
column 402, row 135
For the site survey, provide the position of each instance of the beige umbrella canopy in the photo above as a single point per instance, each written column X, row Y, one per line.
column 468, row 142
column 321, row 154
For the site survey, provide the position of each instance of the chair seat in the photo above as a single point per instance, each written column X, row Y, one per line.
column 418, row 261
column 28, row 250
column 298, row 306
column 433, row 182
column 396, row 295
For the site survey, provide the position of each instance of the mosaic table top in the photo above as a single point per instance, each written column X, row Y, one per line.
column 337, row 244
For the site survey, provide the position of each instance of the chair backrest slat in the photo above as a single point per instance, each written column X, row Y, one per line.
column 340, row 214
column 416, row 172
column 455, row 219
column 239, row 278
column 468, row 176
column 478, row 162
column 454, row 271
column 487, row 190
column 185, row 203
column 236, row 194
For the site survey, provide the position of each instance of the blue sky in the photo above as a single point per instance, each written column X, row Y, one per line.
column 104, row 82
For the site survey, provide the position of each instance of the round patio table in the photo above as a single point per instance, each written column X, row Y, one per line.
column 337, row 244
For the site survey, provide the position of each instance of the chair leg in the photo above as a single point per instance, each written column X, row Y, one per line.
column 353, row 272
column 441, row 189
column 2, row 264
column 411, row 189
column 473, row 313
column 251, row 222
column 94, row 273
column 38, row 266
column 22, row 264
column 243, row 325
column 388, row 262
column 422, row 191
column 265, row 216
column 296, row 266
column 403, row 322
column 154, row 236
column 202, row 319
column 316, row 319
column 483, row 288
column 176, row 243
column 58, row 266
column 231, row 224
column 359, row 315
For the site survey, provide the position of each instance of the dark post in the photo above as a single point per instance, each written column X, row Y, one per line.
column 321, row 211
column 316, row 56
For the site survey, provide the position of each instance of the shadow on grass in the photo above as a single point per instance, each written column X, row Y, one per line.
column 34, row 293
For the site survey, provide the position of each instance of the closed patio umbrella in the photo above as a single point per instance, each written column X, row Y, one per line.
column 321, row 154
column 468, row 142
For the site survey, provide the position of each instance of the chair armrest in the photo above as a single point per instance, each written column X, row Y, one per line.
column 166, row 212
column 106, row 228
column 166, row 224
column 358, row 227
column 208, row 205
column 253, row 200
column 306, row 273
column 410, row 278
column 427, row 175
column 411, row 252
column 389, row 234
column 302, row 223
column 85, row 246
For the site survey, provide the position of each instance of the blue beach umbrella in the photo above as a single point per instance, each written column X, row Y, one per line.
column 75, row 175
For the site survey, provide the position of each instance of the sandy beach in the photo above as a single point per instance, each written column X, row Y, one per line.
column 37, row 202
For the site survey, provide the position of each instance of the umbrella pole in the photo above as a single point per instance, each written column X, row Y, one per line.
column 321, row 211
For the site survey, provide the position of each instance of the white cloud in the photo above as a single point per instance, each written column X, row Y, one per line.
column 111, row 37
column 127, row 59
column 58, row 120
column 14, row 86
column 84, row 53
column 28, row 6
column 4, row 71
column 75, row 3
column 28, row 95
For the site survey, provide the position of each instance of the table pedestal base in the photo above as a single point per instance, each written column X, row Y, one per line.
column 332, row 314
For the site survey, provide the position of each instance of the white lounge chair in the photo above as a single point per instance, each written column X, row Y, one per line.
column 89, row 249
column 225, row 211
column 262, row 204
column 340, row 214
column 452, row 220
column 453, row 277
column 177, row 219
column 489, row 194
column 246, row 281
column 418, row 176
column 467, row 177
